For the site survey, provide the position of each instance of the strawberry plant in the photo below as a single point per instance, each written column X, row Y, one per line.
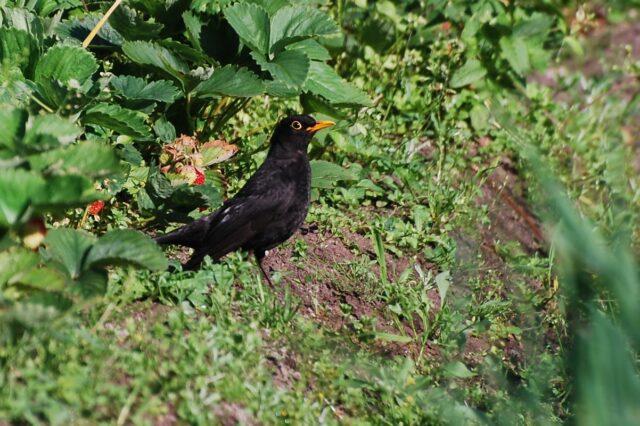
column 47, row 171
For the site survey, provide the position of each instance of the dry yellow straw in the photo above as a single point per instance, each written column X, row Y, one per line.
column 100, row 23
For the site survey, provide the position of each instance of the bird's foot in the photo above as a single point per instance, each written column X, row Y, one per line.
column 266, row 275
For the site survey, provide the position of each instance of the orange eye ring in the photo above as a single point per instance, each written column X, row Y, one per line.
column 296, row 125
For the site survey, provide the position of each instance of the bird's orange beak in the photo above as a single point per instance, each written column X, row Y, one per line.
column 320, row 125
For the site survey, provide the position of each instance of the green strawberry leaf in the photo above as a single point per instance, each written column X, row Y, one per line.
column 137, row 88
column 325, row 174
column 153, row 54
column 69, row 247
column 289, row 67
column 325, row 82
column 251, row 22
column 294, row 23
column 126, row 247
column 230, row 81
column 120, row 120
column 471, row 72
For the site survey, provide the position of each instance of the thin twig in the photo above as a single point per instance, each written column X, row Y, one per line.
column 42, row 104
column 85, row 216
column 105, row 315
column 126, row 409
column 100, row 23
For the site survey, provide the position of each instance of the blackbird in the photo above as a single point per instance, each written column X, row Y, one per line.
column 267, row 210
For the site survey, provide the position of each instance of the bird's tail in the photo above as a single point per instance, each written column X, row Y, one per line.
column 189, row 235
column 170, row 238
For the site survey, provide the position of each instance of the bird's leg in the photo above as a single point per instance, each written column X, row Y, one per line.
column 259, row 256
column 194, row 262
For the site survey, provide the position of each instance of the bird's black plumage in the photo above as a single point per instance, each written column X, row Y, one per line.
column 267, row 210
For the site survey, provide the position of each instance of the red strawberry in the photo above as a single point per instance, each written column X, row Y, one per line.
column 96, row 207
column 200, row 178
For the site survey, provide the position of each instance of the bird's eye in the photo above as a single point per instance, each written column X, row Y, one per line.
column 296, row 125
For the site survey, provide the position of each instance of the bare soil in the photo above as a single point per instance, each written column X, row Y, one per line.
column 322, row 284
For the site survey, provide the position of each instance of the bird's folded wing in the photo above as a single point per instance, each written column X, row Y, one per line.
column 242, row 219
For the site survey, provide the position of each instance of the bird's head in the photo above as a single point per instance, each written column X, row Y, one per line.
column 295, row 132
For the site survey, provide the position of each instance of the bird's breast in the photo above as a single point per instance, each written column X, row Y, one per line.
column 296, row 174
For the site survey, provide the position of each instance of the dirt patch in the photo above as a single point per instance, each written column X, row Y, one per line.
column 143, row 312
column 333, row 293
column 231, row 414
column 180, row 253
column 511, row 219
column 284, row 365
column 613, row 43
column 475, row 350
